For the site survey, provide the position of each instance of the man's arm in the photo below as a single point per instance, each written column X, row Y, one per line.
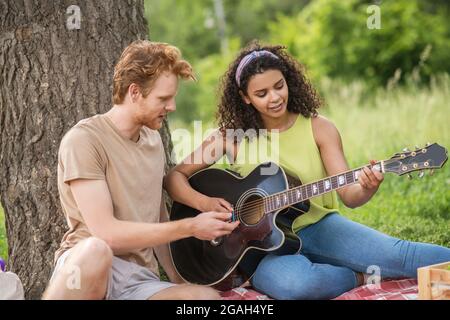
column 94, row 202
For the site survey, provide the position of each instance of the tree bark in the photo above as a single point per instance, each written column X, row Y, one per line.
column 53, row 74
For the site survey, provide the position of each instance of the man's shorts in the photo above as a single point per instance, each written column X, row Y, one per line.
column 127, row 280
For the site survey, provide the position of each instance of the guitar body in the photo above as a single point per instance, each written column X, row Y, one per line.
column 231, row 260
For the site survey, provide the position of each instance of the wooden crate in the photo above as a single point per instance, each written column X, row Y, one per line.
column 434, row 282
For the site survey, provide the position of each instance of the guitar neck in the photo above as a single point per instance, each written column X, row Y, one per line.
column 293, row 196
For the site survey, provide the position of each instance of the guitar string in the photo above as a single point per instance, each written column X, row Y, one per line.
column 254, row 206
column 251, row 207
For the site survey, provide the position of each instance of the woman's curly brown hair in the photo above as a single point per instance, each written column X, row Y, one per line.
column 234, row 113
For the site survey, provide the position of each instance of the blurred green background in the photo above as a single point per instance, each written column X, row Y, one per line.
column 330, row 37
column 385, row 89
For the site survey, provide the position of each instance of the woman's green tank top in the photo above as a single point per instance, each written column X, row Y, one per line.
column 294, row 150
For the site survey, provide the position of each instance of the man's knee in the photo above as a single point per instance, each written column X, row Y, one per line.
column 196, row 292
column 86, row 267
column 187, row 292
column 96, row 248
column 93, row 256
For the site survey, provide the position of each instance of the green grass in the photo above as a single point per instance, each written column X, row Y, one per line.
column 3, row 242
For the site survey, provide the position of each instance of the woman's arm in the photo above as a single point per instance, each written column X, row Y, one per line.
column 176, row 181
column 329, row 143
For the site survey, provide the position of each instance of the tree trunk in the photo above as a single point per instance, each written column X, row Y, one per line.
column 56, row 68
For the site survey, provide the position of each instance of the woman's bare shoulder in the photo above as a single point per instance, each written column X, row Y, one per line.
column 324, row 130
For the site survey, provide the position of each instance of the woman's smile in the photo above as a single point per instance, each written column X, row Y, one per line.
column 277, row 108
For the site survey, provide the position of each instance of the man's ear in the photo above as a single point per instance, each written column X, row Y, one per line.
column 134, row 91
column 244, row 97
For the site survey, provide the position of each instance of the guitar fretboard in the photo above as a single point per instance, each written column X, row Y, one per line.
column 302, row 193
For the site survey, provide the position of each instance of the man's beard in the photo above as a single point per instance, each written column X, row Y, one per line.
column 151, row 123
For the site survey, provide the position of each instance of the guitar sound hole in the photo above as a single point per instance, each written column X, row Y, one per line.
column 252, row 210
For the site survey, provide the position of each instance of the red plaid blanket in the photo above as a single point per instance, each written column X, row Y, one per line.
column 405, row 289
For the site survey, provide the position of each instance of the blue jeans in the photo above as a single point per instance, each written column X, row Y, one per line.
column 333, row 250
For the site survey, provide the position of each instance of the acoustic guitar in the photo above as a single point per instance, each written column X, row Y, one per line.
column 266, row 207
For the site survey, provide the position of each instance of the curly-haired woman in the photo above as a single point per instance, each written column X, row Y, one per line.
column 265, row 88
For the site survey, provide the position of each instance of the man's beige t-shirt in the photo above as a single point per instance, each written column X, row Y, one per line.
column 95, row 149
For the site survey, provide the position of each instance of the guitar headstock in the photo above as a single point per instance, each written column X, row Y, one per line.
column 432, row 156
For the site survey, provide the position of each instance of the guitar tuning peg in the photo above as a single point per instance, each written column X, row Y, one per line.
column 406, row 150
column 428, row 144
column 421, row 174
column 431, row 172
column 416, row 147
column 410, row 176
